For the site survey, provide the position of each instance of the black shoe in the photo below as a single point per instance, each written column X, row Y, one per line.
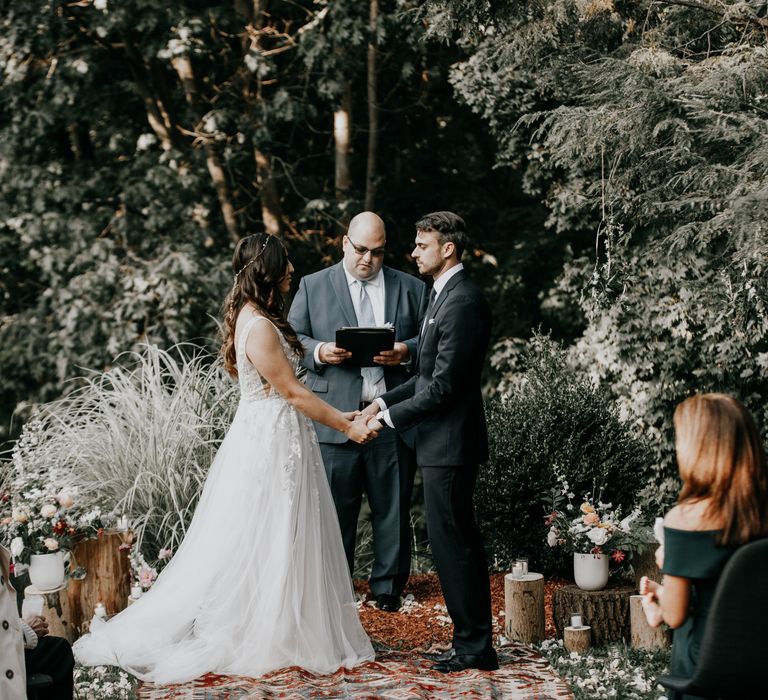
column 388, row 602
column 442, row 656
column 483, row 662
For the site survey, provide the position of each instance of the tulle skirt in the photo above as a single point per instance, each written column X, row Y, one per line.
column 260, row 581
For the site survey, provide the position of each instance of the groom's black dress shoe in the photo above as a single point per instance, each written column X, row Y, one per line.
column 483, row 662
column 388, row 602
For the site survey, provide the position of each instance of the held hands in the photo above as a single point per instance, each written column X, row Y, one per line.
column 397, row 355
column 359, row 432
column 331, row 354
column 38, row 624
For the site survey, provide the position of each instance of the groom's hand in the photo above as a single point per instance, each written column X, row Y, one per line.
column 375, row 425
column 331, row 354
column 396, row 356
column 371, row 409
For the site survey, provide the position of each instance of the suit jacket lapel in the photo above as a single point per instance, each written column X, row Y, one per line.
column 444, row 294
column 341, row 288
column 391, row 296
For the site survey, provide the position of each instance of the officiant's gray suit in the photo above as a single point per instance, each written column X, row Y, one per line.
column 383, row 468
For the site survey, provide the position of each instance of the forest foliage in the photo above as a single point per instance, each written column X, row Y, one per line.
column 610, row 157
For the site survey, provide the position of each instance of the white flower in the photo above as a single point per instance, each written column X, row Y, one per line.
column 145, row 141
column 552, row 537
column 48, row 510
column 65, row 500
column 20, row 515
column 598, row 535
column 51, row 544
column 17, row 546
column 100, row 5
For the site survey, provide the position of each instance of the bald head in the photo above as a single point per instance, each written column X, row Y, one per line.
column 364, row 246
column 367, row 222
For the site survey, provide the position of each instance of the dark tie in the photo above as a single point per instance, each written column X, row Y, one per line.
column 431, row 304
column 373, row 374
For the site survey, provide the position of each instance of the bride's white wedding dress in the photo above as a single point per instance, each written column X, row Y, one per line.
column 260, row 581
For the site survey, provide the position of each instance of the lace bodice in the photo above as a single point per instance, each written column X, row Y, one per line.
column 254, row 387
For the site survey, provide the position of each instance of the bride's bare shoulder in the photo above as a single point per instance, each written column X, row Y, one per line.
column 693, row 515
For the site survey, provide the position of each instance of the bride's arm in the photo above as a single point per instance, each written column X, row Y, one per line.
column 266, row 354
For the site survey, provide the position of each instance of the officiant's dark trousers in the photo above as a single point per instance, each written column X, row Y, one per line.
column 457, row 547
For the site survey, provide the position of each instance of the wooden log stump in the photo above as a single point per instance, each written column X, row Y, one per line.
column 643, row 635
column 107, row 578
column 56, row 610
column 578, row 639
column 524, row 608
column 606, row 611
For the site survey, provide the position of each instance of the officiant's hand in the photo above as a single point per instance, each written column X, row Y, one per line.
column 371, row 409
column 359, row 432
column 331, row 354
column 396, row 356
column 375, row 424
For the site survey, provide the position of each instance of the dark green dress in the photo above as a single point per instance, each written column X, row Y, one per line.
column 693, row 555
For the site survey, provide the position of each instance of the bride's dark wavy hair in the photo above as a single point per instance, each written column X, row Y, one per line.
column 259, row 263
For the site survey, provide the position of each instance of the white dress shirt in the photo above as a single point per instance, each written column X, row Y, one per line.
column 376, row 293
column 383, row 415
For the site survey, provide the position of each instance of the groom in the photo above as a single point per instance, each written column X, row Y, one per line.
column 440, row 408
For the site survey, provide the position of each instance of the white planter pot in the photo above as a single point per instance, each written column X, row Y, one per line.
column 590, row 571
column 46, row 571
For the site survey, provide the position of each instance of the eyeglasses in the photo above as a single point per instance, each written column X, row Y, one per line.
column 361, row 250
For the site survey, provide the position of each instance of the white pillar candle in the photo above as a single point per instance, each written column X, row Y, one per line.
column 136, row 591
column 517, row 571
column 576, row 620
column 523, row 564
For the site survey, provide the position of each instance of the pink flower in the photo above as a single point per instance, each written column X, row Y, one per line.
column 124, row 547
column 591, row 519
column 618, row 556
column 165, row 554
column 146, row 576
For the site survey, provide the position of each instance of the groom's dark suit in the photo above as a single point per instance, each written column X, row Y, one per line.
column 441, row 411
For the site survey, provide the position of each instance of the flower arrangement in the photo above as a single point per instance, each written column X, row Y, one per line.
column 39, row 513
column 594, row 527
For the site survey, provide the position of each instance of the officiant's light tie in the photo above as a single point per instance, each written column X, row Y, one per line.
column 372, row 374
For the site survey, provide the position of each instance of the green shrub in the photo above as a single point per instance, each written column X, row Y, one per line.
column 550, row 417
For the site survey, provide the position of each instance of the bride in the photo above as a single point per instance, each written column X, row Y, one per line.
column 260, row 581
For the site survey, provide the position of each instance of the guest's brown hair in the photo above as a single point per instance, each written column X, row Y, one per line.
column 259, row 264
column 721, row 458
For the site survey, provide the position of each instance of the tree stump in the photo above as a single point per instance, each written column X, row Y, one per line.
column 643, row 635
column 107, row 578
column 606, row 611
column 56, row 610
column 524, row 608
column 578, row 639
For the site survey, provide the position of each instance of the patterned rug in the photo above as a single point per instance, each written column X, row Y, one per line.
column 524, row 675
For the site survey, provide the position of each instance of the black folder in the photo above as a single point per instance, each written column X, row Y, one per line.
column 364, row 343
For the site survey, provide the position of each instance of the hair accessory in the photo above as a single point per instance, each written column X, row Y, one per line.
column 254, row 258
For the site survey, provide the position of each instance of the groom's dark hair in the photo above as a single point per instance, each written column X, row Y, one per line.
column 449, row 227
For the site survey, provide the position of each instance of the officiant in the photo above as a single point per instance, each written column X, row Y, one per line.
column 361, row 291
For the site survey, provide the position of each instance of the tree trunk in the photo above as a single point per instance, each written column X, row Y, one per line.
column 107, row 578
column 183, row 67
column 643, row 635
column 524, row 608
column 342, row 130
column 271, row 211
column 606, row 611
column 373, row 114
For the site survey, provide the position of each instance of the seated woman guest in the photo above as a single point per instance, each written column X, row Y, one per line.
column 723, row 504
